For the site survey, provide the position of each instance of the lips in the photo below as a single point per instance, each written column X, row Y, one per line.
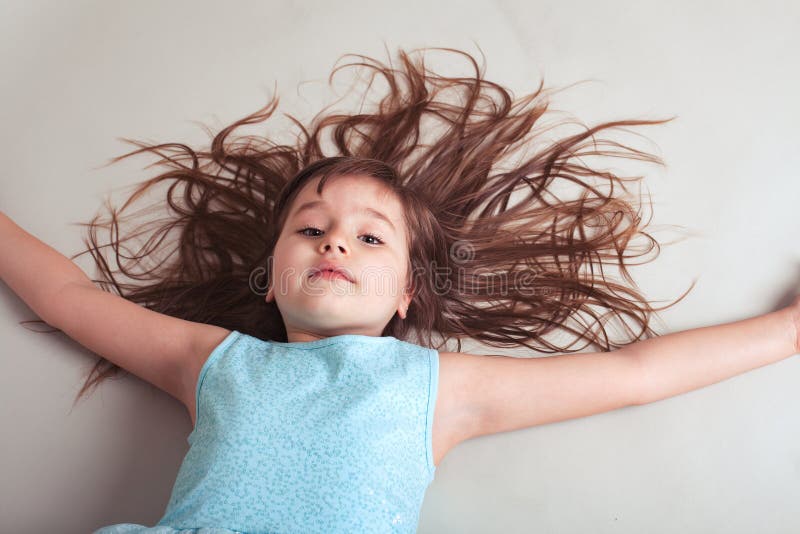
column 332, row 270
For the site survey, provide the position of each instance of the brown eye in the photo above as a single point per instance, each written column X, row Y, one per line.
column 378, row 240
column 309, row 228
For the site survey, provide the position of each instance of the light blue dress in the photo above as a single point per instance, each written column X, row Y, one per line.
column 332, row 435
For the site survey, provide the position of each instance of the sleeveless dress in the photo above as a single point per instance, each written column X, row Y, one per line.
column 332, row 435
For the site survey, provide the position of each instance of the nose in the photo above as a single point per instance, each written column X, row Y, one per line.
column 333, row 241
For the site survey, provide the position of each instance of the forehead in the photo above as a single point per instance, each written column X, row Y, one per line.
column 347, row 186
column 350, row 194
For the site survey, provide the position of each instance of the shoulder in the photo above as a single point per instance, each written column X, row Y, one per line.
column 205, row 338
column 458, row 411
column 460, row 372
column 463, row 362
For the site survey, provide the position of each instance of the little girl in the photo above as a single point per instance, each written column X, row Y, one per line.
column 296, row 324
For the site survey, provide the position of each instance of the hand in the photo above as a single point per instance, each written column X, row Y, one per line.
column 795, row 306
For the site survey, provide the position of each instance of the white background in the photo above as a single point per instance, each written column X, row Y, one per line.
column 75, row 76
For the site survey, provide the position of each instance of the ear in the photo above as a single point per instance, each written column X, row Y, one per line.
column 402, row 309
column 270, row 294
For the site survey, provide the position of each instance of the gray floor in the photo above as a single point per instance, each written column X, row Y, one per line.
column 78, row 75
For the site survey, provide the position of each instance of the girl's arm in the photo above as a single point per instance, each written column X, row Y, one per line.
column 162, row 350
column 501, row 393
column 683, row 361
column 32, row 269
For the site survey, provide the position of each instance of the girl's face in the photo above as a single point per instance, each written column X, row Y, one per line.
column 342, row 226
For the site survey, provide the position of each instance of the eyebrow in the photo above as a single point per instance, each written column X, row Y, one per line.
column 369, row 211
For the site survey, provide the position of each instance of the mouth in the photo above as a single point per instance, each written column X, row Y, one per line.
column 330, row 274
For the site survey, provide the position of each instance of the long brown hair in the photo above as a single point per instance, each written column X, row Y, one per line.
column 506, row 273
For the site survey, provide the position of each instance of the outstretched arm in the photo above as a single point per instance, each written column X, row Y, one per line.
column 501, row 393
column 163, row 350
column 32, row 269
column 688, row 360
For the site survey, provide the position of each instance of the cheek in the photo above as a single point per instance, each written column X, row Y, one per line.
column 282, row 262
column 290, row 270
column 384, row 281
